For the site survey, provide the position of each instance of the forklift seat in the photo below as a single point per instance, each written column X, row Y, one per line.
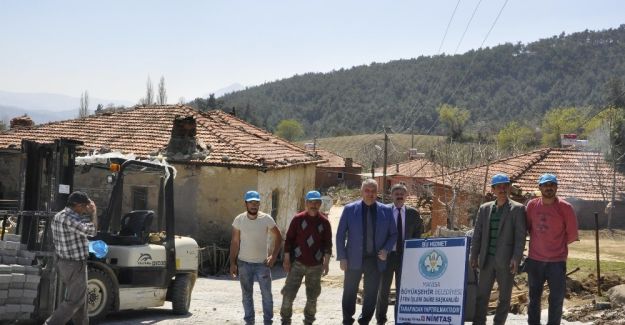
column 135, row 229
column 137, row 224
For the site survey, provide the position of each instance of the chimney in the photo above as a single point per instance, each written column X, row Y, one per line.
column 397, row 167
column 349, row 162
column 183, row 135
column 21, row 122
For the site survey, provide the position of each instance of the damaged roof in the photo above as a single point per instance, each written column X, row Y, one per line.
column 146, row 131
column 581, row 174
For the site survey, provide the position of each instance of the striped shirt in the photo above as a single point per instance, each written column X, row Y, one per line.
column 69, row 233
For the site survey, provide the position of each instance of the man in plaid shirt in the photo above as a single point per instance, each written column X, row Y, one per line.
column 69, row 233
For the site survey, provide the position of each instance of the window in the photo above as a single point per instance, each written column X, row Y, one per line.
column 139, row 198
column 339, row 175
column 275, row 201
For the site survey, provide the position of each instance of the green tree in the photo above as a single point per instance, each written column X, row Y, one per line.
column 290, row 130
column 560, row 121
column 3, row 126
column 455, row 120
column 515, row 136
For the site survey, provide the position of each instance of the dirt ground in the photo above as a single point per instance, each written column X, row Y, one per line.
column 217, row 300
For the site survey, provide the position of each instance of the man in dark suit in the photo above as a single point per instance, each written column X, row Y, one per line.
column 496, row 249
column 365, row 234
column 409, row 226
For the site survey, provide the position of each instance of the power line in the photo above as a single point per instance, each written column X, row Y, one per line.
column 438, row 52
column 472, row 62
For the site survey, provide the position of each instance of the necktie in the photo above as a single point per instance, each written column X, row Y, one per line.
column 400, row 232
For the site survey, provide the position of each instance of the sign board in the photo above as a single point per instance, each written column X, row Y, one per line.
column 433, row 282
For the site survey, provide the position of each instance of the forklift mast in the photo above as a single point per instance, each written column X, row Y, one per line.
column 113, row 213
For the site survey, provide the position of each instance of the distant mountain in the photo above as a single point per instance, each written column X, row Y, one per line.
column 497, row 85
column 38, row 116
column 42, row 107
column 226, row 90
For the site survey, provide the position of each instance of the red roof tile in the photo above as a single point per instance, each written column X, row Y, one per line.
column 333, row 160
column 412, row 168
column 146, row 130
column 581, row 174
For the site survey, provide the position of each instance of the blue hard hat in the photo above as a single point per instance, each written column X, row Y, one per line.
column 252, row 196
column 98, row 248
column 500, row 179
column 313, row 196
column 548, row 178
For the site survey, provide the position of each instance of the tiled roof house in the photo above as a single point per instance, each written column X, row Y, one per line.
column 336, row 170
column 584, row 179
column 232, row 157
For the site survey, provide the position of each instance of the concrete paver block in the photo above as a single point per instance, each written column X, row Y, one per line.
column 6, row 278
column 32, row 270
column 27, row 308
column 16, row 285
column 33, row 278
column 24, row 261
column 18, row 277
column 5, row 269
column 16, row 293
column 29, row 294
column 9, row 259
column 27, row 254
column 16, row 268
column 11, row 244
column 12, row 308
column 31, row 286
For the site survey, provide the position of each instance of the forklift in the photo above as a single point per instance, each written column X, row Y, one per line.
column 145, row 263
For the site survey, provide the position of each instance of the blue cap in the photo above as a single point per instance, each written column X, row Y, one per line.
column 252, row 196
column 500, row 179
column 547, row 178
column 313, row 196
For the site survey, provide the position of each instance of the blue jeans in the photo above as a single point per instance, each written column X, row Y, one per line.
column 350, row 291
column 262, row 273
column 555, row 275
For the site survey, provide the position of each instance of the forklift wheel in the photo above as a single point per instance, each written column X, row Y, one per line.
column 181, row 294
column 99, row 294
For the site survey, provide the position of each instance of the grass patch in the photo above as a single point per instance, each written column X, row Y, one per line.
column 590, row 267
column 362, row 148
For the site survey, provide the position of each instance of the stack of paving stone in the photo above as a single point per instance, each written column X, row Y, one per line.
column 19, row 279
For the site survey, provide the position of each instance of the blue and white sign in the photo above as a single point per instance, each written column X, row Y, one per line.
column 433, row 281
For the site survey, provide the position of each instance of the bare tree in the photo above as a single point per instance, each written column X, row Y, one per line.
column 162, row 93
column 83, row 110
column 149, row 94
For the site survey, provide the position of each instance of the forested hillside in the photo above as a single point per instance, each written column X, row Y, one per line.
column 498, row 84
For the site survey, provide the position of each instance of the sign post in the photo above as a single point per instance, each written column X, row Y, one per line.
column 433, row 283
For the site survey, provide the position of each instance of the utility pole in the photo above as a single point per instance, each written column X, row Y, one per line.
column 412, row 136
column 385, row 186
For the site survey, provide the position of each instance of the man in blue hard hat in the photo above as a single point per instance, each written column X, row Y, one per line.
column 496, row 249
column 552, row 226
column 248, row 255
column 307, row 251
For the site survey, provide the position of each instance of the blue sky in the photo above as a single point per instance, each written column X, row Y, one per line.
column 110, row 47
